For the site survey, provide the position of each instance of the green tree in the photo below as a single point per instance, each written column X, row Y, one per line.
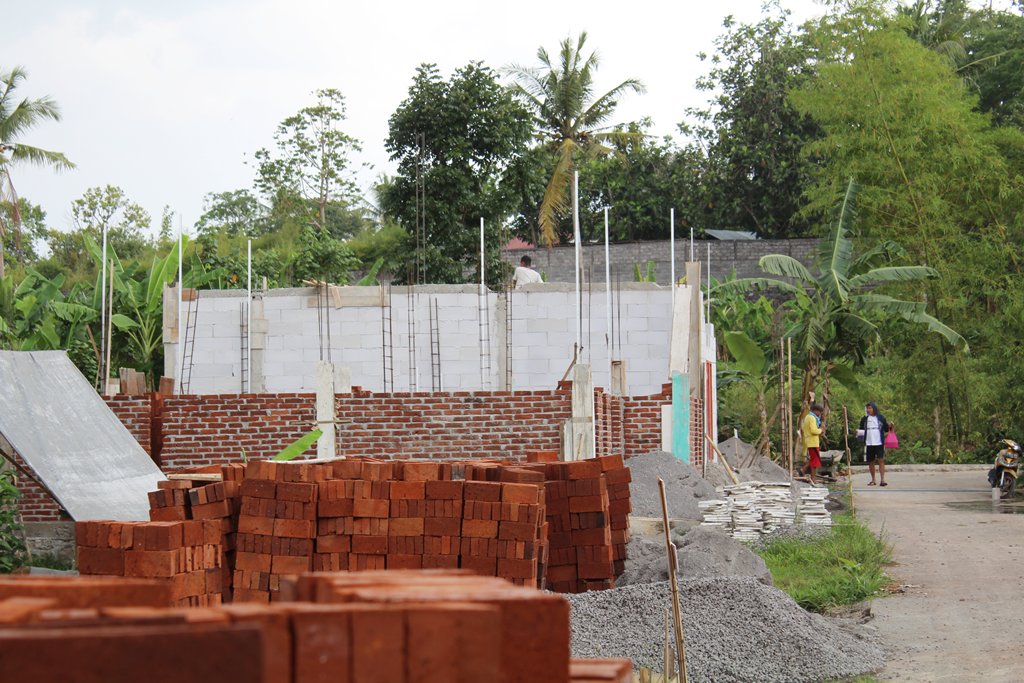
column 16, row 119
column 938, row 179
column 755, row 172
column 569, row 118
column 22, row 242
column 312, row 173
column 233, row 213
column 472, row 129
column 996, row 52
column 109, row 207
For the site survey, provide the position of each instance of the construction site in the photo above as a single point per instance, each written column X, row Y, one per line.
column 414, row 484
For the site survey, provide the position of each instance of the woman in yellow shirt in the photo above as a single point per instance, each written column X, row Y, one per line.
column 811, row 428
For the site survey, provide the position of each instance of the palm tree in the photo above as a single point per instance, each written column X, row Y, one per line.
column 15, row 119
column 836, row 316
column 568, row 117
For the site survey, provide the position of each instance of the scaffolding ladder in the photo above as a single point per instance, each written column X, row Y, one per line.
column 184, row 384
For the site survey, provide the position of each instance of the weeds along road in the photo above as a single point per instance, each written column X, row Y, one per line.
column 961, row 620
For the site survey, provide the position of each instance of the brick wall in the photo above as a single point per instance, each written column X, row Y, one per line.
column 134, row 413
column 35, row 504
column 208, row 430
column 642, row 426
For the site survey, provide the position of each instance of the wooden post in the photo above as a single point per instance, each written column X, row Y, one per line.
column 849, row 457
column 789, row 401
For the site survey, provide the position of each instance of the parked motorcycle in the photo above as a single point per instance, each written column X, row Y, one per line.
column 1004, row 475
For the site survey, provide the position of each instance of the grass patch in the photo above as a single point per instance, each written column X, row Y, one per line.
column 48, row 561
column 841, row 568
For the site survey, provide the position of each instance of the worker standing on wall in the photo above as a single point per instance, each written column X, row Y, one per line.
column 524, row 274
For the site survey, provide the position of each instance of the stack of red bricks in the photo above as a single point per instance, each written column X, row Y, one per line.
column 408, row 627
column 186, row 554
column 581, row 540
column 276, row 526
column 504, row 526
column 617, row 478
column 197, row 498
column 353, row 511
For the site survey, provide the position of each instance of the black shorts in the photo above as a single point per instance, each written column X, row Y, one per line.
column 871, row 453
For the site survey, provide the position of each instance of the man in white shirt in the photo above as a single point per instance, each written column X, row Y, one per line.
column 524, row 274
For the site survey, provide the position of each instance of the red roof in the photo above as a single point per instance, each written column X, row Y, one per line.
column 516, row 243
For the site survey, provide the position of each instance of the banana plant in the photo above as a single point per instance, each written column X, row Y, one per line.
column 834, row 317
column 38, row 316
column 139, row 301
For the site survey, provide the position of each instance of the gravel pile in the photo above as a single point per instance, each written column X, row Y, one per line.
column 736, row 630
column 702, row 553
column 684, row 486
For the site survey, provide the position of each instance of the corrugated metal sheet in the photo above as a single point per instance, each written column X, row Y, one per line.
column 731, row 235
column 75, row 444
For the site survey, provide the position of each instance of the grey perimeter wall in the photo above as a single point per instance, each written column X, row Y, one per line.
column 289, row 337
column 741, row 255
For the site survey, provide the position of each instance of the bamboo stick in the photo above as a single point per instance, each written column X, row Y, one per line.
column 673, row 568
column 751, row 455
column 721, row 457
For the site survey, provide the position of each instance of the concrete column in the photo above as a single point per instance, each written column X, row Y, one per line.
column 325, row 410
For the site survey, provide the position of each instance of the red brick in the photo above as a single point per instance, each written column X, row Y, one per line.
column 406, row 526
column 484, row 491
column 623, row 476
column 370, row 507
column 541, row 456
column 333, row 544
column 294, row 528
column 442, row 526
column 587, row 504
column 444, row 490
column 150, row 563
column 323, row 644
column 420, row 471
column 484, row 566
column 517, row 569
column 397, row 561
column 286, row 564
column 479, row 528
column 407, row 490
column 108, row 561
column 253, row 562
column 303, row 493
column 259, row 488
column 215, row 510
column 164, row 535
column 339, row 507
column 378, row 646
column 517, row 531
column 261, row 526
column 370, row 545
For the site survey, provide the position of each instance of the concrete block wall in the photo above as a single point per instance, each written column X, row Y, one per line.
column 558, row 263
column 541, row 338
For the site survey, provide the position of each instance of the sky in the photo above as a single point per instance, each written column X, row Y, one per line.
column 169, row 100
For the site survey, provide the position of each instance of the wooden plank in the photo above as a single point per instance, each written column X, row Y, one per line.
column 166, row 385
column 681, row 416
column 195, row 477
column 680, row 344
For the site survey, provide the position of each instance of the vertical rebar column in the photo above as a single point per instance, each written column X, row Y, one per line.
column 411, row 327
column 387, row 345
column 435, row 347
column 243, row 316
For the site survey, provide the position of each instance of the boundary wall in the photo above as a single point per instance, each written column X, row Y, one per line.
column 558, row 263
column 207, row 430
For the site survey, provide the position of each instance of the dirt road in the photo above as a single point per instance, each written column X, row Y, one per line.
column 961, row 621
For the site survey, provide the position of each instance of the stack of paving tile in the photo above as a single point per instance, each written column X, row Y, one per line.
column 186, row 554
column 776, row 502
column 617, row 477
column 717, row 514
column 812, row 506
column 581, row 540
column 276, row 527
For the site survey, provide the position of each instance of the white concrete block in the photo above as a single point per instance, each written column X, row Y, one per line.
column 549, row 325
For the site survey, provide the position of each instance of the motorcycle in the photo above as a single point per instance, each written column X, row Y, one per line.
column 1004, row 475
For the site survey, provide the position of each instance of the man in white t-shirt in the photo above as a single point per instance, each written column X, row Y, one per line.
column 524, row 274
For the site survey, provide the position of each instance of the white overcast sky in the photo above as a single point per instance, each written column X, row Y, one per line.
column 168, row 100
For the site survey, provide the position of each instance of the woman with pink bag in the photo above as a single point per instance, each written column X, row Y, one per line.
column 873, row 430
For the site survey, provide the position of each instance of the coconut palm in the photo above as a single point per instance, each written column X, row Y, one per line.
column 15, row 119
column 836, row 316
column 568, row 117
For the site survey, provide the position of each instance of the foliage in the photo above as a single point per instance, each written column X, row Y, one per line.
column 569, row 118
column 642, row 181
column 754, row 171
column 649, row 276
column 996, row 53
column 16, row 119
column 841, row 567
column 21, row 242
column 460, row 136
column 322, row 257
column 99, row 208
column 938, row 179
column 312, row 171
column 233, row 213
column 298, row 447
column 11, row 544
column 834, row 322
column 50, row 561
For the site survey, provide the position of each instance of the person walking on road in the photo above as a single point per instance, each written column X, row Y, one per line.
column 811, row 428
column 874, row 427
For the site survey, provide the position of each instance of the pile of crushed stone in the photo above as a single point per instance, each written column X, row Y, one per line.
column 702, row 553
column 736, row 630
column 684, row 486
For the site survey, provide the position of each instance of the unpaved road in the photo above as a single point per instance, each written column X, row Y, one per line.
column 963, row 621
